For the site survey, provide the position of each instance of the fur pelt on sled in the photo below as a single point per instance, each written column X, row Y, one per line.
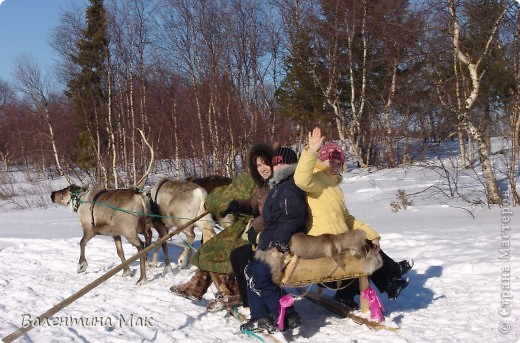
column 326, row 245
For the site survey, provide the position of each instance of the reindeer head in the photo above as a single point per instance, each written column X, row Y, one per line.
column 66, row 195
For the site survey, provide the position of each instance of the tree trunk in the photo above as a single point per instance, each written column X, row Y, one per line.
column 515, row 149
column 32, row 84
column 484, row 152
column 462, row 145
column 52, row 139
column 514, row 117
column 110, row 128
column 389, row 148
column 493, row 193
column 459, row 97
column 354, row 132
column 176, row 142
column 133, row 125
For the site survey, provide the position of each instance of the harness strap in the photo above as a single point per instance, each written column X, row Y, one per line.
column 153, row 202
column 96, row 197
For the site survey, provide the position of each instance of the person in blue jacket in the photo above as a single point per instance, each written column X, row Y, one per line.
column 283, row 214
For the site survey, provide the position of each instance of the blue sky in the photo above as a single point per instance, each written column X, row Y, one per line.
column 25, row 28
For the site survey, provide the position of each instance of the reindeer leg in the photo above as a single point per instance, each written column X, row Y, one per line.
column 148, row 238
column 153, row 262
column 159, row 227
column 82, row 264
column 185, row 256
column 138, row 244
column 167, row 266
column 121, row 254
column 148, row 242
column 155, row 257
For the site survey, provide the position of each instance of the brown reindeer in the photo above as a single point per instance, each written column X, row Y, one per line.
column 116, row 213
column 176, row 202
column 209, row 183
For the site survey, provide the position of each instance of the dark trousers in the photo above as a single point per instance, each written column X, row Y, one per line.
column 263, row 295
column 240, row 258
column 381, row 279
column 390, row 270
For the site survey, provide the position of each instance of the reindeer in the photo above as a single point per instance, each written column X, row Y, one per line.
column 118, row 212
column 175, row 202
column 209, row 183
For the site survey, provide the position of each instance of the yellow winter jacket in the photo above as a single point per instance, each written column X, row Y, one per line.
column 327, row 212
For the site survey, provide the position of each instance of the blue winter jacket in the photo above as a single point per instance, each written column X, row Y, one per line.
column 284, row 210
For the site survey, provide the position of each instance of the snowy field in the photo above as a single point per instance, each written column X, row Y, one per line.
column 464, row 286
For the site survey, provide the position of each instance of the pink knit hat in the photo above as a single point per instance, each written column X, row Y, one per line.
column 331, row 151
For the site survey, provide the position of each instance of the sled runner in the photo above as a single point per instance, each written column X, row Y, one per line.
column 342, row 311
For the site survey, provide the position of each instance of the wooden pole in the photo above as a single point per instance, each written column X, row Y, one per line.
column 18, row 333
column 363, row 302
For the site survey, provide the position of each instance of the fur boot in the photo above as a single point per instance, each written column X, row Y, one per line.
column 229, row 294
column 195, row 288
column 226, row 284
column 232, row 284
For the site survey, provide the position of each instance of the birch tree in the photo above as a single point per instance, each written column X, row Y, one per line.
column 183, row 42
column 340, row 69
column 32, row 83
column 251, row 60
column 475, row 68
column 361, row 49
column 129, row 32
column 7, row 96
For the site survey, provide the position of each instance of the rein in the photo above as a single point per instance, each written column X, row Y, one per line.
column 76, row 202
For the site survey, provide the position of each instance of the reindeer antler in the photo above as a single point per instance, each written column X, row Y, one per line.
column 152, row 157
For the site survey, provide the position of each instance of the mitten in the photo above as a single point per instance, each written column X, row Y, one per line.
column 232, row 207
column 251, row 236
column 282, row 247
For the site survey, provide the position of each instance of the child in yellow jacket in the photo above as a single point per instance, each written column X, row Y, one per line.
column 318, row 175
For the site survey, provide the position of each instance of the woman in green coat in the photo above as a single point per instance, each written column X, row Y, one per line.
column 244, row 196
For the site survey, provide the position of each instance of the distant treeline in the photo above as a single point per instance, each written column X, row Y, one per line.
column 205, row 79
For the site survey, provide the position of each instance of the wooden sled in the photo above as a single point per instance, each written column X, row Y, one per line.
column 303, row 271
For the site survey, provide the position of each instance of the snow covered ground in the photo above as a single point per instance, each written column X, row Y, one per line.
column 464, row 286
